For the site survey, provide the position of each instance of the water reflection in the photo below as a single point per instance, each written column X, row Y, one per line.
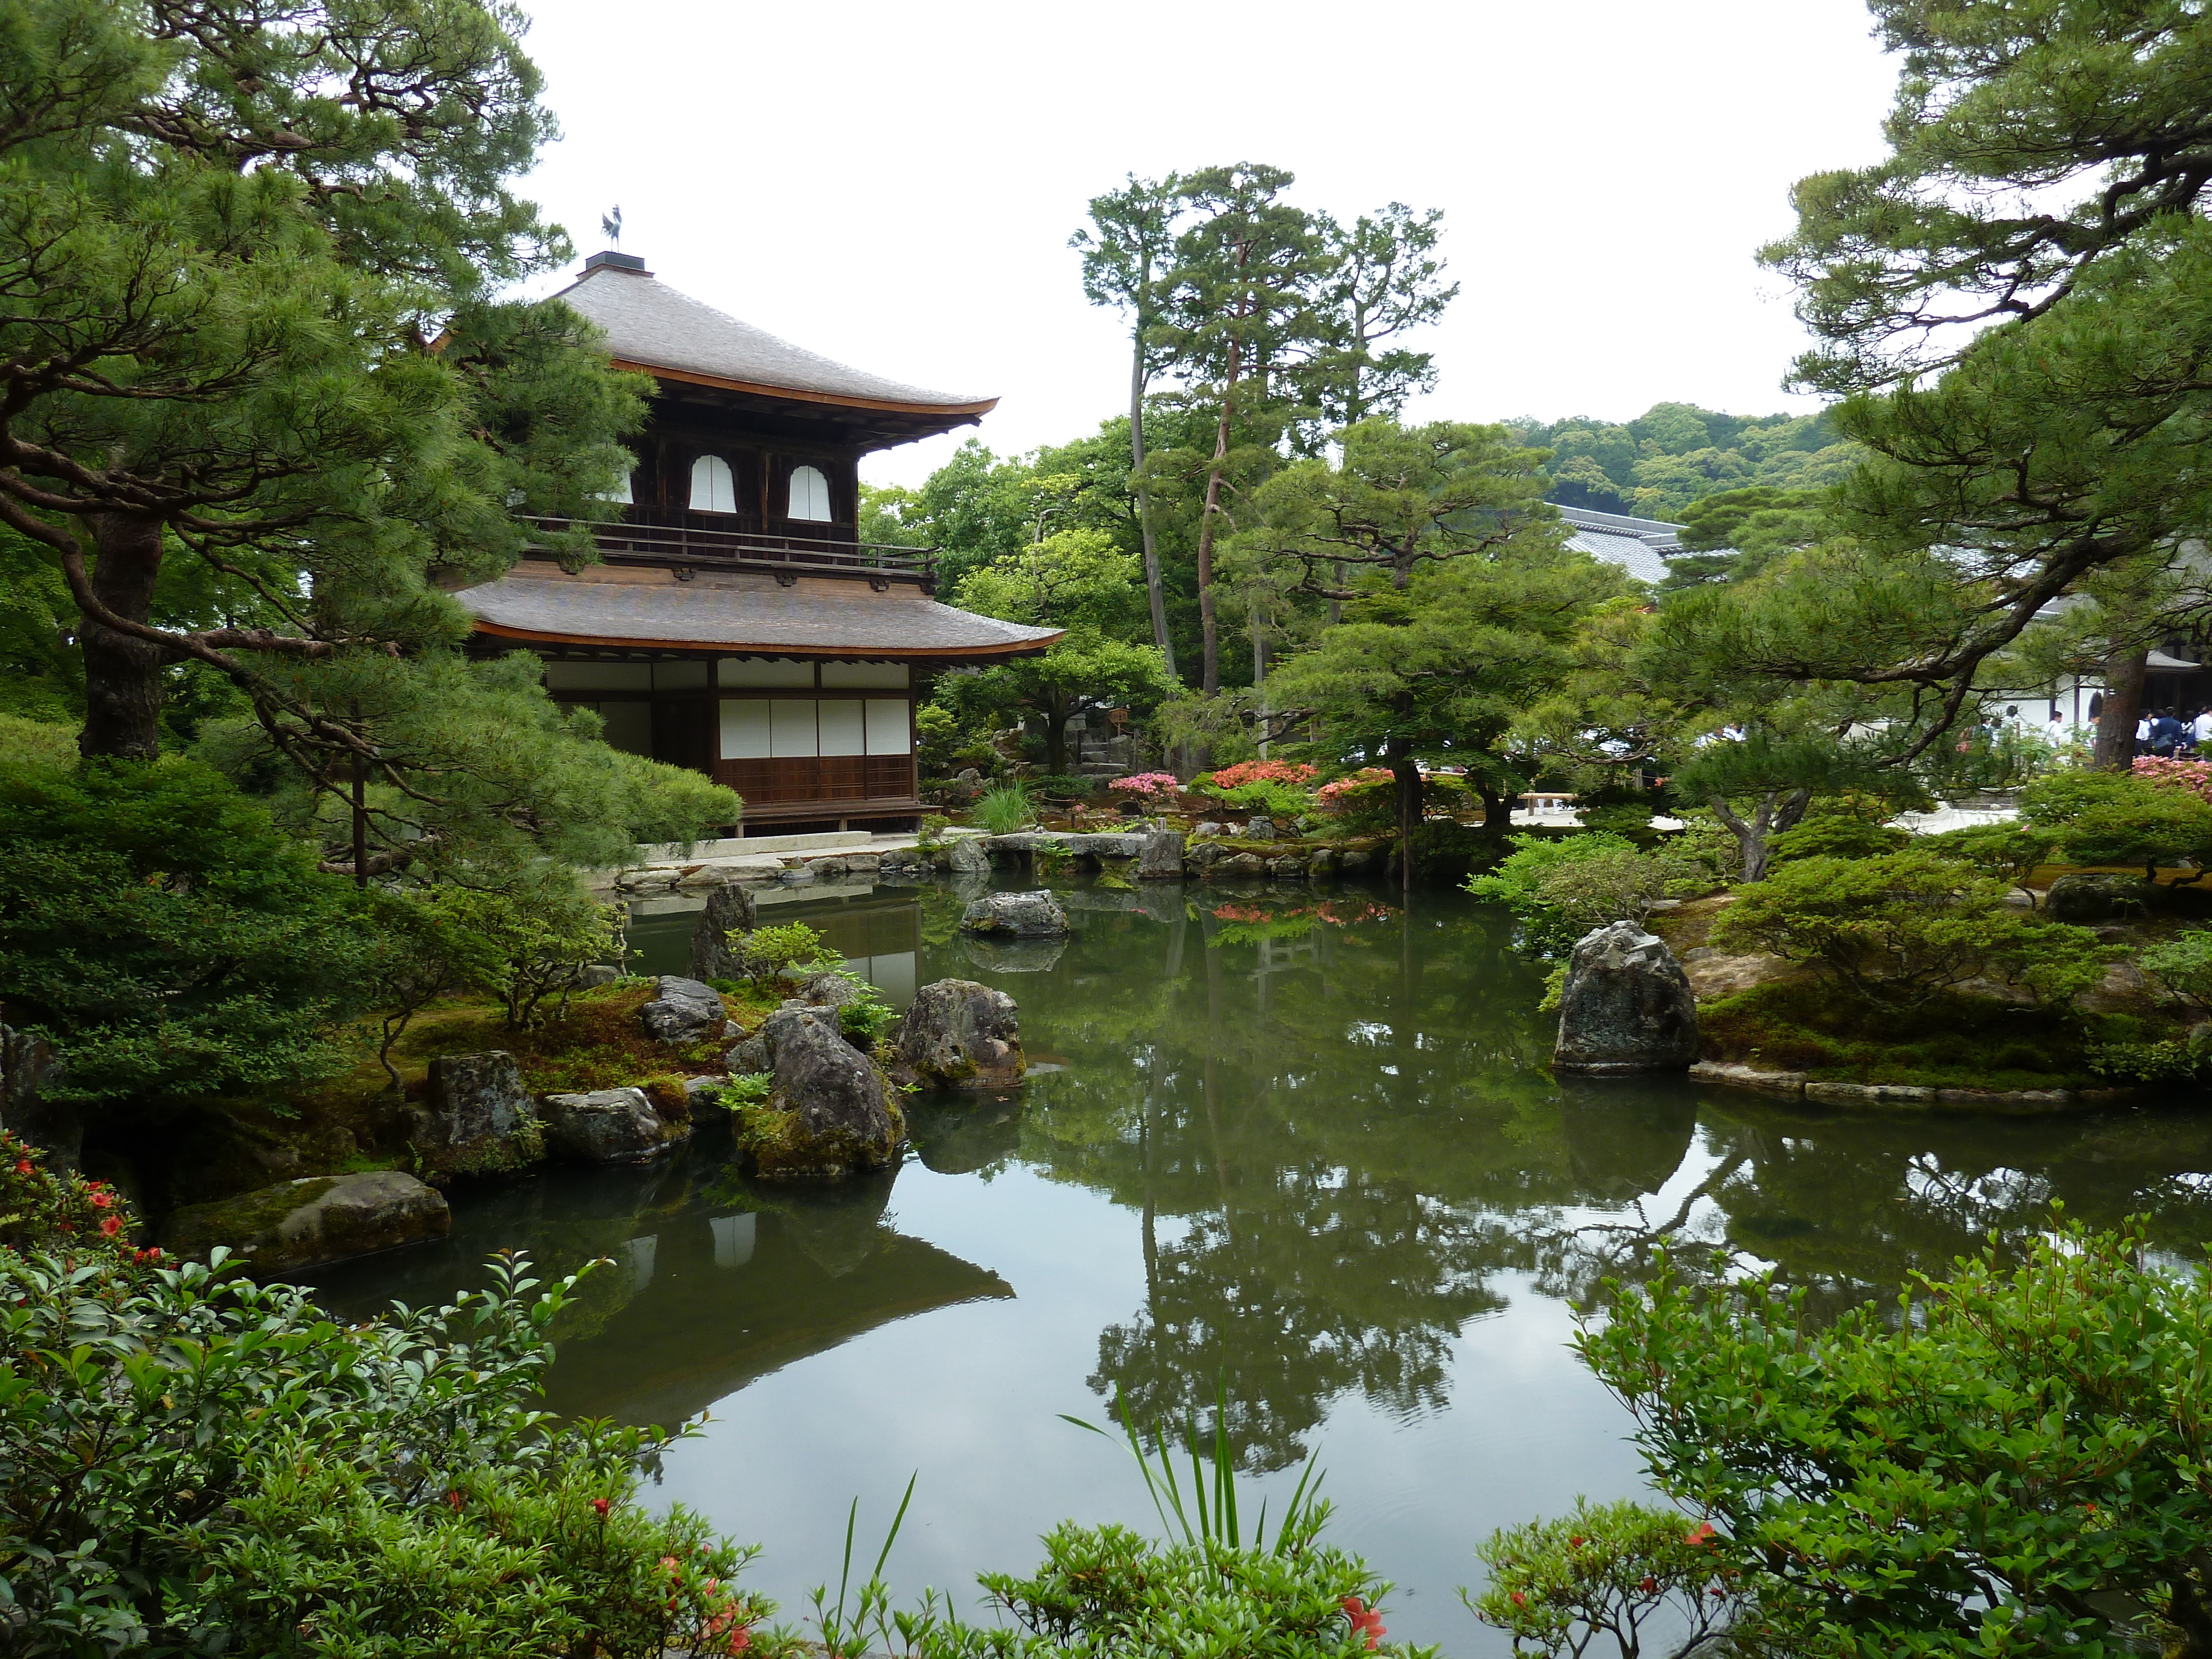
column 1304, row 1142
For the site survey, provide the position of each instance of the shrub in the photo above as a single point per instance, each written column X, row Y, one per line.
column 2010, row 852
column 2009, row 1463
column 2183, row 964
column 865, row 1018
column 535, row 937
column 1609, row 1570
column 770, row 950
column 1559, row 888
column 1148, row 785
column 2119, row 818
column 40, row 1211
column 2193, row 776
column 1003, row 810
column 747, row 1089
column 1835, row 836
column 191, row 1462
column 931, row 834
column 162, row 935
column 1898, row 930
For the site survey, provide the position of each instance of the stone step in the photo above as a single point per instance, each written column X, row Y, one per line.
column 743, row 846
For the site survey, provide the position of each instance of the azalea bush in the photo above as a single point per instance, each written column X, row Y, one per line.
column 190, row 1462
column 1149, row 787
column 1273, row 787
column 2010, row 1461
column 2191, row 776
column 1338, row 793
column 1607, row 1570
column 42, row 1210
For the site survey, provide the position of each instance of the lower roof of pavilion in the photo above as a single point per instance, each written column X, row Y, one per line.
column 752, row 613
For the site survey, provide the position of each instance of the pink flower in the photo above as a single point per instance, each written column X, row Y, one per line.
column 1365, row 1621
column 1703, row 1535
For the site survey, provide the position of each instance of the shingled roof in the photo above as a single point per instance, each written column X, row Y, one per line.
column 716, row 611
column 1639, row 546
column 652, row 326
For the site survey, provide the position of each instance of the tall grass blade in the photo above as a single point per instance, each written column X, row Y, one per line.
column 892, row 1537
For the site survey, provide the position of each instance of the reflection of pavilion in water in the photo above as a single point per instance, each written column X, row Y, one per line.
column 876, row 930
column 707, row 1286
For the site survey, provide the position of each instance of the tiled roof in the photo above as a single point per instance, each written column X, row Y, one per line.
column 651, row 325
column 719, row 612
column 1640, row 546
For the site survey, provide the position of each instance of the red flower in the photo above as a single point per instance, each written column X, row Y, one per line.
column 100, row 1200
column 1516, row 1598
column 454, row 1500
column 1365, row 1621
column 1575, row 1542
column 600, row 1506
column 22, row 1166
column 1703, row 1535
column 112, row 1225
column 1647, row 1583
column 740, row 1639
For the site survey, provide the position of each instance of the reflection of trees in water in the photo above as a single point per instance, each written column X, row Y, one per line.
column 1337, row 1137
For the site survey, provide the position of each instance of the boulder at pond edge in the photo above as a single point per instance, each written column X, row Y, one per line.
column 830, row 1114
column 608, row 1126
column 314, row 1220
column 1022, row 915
column 730, row 909
column 960, row 1034
column 1627, row 1006
column 682, row 1011
column 478, row 1118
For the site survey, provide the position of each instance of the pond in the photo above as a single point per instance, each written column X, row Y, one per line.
column 1300, row 1145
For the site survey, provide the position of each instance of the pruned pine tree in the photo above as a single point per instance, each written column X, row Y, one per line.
column 2016, row 303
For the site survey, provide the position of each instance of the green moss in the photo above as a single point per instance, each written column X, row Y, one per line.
column 237, row 1221
column 1952, row 1042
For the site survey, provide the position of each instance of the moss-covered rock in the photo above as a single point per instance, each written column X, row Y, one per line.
column 314, row 1220
column 829, row 1113
column 959, row 1034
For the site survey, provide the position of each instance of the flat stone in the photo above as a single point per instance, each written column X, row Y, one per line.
column 314, row 1220
column 1627, row 1006
column 2009, row 1100
column 1241, row 863
column 1731, row 1074
column 1870, row 1094
column 682, row 1011
column 608, row 1126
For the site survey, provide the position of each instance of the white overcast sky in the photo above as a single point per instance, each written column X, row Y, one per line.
column 894, row 185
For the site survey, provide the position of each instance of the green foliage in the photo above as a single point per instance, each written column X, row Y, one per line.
column 1106, row 1591
column 2008, row 852
column 747, row 1089
column 2172, row 1059
column 1005, row 809
column 1676, row 459
column 1899, row 929
column 1606, row 1570
column 770, row 950
column 931, row 834
column 1560, row 887
column 189, row 1462
column 867, row 1016
column 2183, row 963
column 534, row 938
column 1835, row 836
column 2009, row 1463
column 164, row 936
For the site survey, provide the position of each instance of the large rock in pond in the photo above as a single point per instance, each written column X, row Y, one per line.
column 609, row 1125
column 958, row 1034
column 2093, row 896
column 477, row 1117
column 1627, row 1006
column 714, row 954
column 1019, row 915
column 314, row 1220
column 968, row 857
column 829, row 1113
column 1162, row 857
column 682, row 1011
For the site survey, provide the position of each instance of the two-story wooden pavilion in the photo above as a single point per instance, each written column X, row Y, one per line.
column 737, row 625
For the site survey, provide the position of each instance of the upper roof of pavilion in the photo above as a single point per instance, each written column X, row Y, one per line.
column 668, row 334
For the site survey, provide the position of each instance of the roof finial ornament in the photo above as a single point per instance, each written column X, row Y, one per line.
column 611, row 222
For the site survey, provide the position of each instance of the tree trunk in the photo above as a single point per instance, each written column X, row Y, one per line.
column 1210, row 681
column 1055, row 735
column 1775, row 813
column 1154, row 591
column 122, row 675
column 1408, row 774
column 1259, row 677
column 2122, row 707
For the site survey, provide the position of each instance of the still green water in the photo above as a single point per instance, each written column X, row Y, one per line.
column 1303, row 1141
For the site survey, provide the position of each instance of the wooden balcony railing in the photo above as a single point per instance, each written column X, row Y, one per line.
column 734, row 538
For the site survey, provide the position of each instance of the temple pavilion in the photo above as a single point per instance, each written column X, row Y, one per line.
column 737, row 625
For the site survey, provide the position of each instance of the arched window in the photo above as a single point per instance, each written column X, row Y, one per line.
column 713, row 488
column 810, row 493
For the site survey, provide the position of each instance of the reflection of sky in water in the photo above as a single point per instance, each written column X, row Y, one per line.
column 1332, row 1163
